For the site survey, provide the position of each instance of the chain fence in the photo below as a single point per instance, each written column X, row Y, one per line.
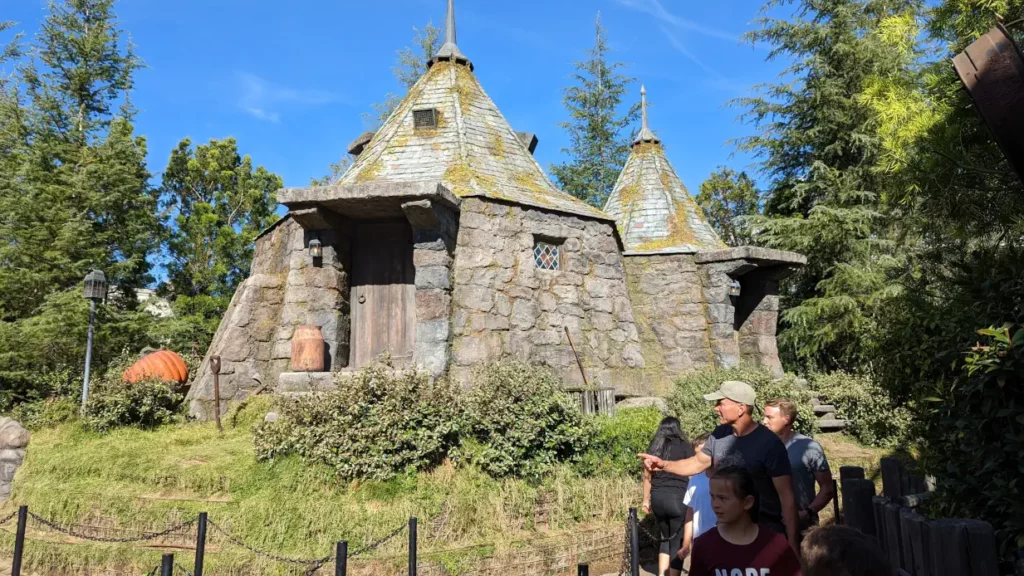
column 143, row 538
column 8, row 518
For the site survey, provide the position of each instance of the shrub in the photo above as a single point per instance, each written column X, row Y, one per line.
column 617, row 440
column 46, row 413
column 523, row 422
column 144, row 404
column 696, row 414
column 875, row 419
column 376, row 425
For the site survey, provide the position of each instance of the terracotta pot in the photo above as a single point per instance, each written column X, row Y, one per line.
column 162, row 364
column 307, row 349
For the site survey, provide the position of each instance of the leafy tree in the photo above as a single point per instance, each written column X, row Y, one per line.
column 215, row 204
column 727, row 198
column 598, row 132
column 336, row 171
column 410, row 65
column 819, row 145
column 74, row 190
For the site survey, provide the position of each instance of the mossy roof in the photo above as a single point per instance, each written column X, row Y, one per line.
column 653, row 209
column 473, row 150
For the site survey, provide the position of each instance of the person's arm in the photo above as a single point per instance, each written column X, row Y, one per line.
column 825, row 491
column 647, row 491
column 784, row 486
column 689, row 467
column 684, row 550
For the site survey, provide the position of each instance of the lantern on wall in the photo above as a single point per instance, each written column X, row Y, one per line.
column 734, row 288
column 316, row 249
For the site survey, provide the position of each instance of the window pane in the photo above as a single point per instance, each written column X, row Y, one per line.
column 546, row 256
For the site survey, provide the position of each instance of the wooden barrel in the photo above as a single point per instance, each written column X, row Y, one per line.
column 162, row 364
column 307, row 349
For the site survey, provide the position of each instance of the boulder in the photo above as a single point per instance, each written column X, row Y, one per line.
column 643, row 402
column 13, row 440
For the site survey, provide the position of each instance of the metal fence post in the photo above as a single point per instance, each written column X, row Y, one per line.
column 167, row 565
column 582, row 570
column 412, row 546
column 835, row 502
column 341, row 559
column 200, row 544
column 634, row 543
column 19, row 541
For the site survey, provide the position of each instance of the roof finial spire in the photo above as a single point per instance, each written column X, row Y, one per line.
column 645, row 134
column 449, row 50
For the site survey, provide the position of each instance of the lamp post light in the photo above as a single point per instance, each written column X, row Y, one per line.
column 734, row 288
column 316, row 249
column 94, row 290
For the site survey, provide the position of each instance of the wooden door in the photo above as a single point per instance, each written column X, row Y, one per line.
column 383, row 293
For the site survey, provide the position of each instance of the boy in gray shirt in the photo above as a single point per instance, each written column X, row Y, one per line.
column 806, row 459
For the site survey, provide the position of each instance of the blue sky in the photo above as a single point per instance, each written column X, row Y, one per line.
column 290, row 80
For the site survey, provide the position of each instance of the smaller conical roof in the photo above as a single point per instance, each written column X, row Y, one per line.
column 652, row 208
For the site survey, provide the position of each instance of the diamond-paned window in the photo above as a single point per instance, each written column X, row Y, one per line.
column 546, row 255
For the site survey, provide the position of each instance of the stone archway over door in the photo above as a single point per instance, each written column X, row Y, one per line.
column 383, row 293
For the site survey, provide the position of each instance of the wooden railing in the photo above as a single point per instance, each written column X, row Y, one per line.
column 915, row 545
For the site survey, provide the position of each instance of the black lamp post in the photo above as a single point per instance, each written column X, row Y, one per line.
column 94, row 290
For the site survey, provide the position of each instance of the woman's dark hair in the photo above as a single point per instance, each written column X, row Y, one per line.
column 742, row 482
column 669, row 432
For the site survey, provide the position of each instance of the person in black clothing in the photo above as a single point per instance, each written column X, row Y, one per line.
column 664, row 492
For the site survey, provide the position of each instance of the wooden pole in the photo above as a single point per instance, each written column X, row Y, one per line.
column 577, row 354
column 215, row 367
column 857, row 508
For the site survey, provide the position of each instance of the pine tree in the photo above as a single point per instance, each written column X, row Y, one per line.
column 215, row 204
column 599, row 133
column 727, row 199
column 74, row 193
column 818, row 141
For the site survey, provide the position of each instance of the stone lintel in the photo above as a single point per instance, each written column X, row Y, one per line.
column 318, row 218
column 762, row 257
column 420, row 214
column 346, row 198
column 664, row 252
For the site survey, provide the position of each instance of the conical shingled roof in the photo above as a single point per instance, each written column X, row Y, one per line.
column 652, row 208
column 472, row 150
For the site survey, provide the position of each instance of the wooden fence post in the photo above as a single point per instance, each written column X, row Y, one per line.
column 891, row 483
column 878, row 512
column 893, row 538
column 915, row 543
column 858, row 511
column 851, row 472
column 963, row 547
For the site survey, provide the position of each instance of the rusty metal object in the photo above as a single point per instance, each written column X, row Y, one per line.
column 992, row 71
column 215, row 368
column 307, row 349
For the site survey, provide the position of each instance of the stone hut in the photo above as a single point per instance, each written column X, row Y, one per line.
column 695, row 301
column 445, row 246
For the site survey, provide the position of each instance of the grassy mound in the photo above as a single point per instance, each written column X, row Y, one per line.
column 130, row 481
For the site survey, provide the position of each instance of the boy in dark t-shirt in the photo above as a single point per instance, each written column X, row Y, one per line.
column 737, row 545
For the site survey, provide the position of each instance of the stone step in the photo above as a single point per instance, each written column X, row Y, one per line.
column 821, row 409
column 832, row 424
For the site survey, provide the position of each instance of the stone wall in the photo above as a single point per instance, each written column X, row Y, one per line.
column 504, row 306
column 668, row 303
column 13, row 441
column 285, row 288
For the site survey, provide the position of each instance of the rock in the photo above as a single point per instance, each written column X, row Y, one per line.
column 270, row 417
column 12, row 434
column 643, row 402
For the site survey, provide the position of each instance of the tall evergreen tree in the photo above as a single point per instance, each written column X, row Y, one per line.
column 727, row 199
column 74, row 193
column 818, row 141
column 215, row 204
column 599, row 134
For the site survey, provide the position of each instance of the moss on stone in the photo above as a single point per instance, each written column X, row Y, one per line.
column 497, row 146
column 369, row 171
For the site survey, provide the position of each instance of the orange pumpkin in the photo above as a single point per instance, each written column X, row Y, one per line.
column 162, row 364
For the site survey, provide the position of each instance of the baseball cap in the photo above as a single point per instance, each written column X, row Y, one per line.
column 734, row 390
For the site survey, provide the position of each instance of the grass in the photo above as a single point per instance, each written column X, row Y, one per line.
column 129, row 481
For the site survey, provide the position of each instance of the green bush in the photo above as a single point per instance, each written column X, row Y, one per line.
column 46, row 413
column 975, row 437
column 875, row 418
column 617, row 440
column 696, row 415
column 376, row 425
column 144, row 404
column 523, row 423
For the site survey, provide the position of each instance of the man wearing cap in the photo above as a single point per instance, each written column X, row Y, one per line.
column 740, row 440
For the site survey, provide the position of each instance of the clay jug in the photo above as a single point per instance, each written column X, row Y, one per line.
column 162, row 364
column 307, row 349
